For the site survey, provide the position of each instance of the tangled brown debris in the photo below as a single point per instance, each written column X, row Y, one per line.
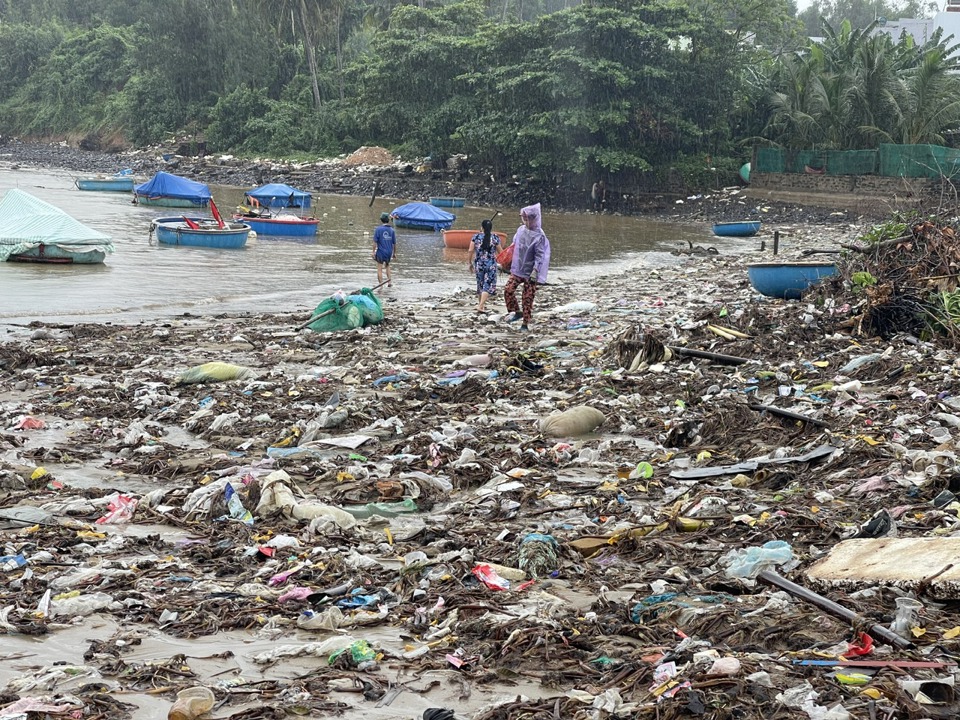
column 374, row 520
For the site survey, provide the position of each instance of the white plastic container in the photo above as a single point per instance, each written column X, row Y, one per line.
column 191, row 703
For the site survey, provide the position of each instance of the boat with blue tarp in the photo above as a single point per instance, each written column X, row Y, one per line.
column 167, row 190
column 33, row 230
column 422, row 216
column 278, row 195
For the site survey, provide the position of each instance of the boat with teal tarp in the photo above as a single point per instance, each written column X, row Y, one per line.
column 32, row 230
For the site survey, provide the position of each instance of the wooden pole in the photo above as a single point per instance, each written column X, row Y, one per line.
column 878, row 631
column 716, row 357
column 776, row 241
column 786, row 413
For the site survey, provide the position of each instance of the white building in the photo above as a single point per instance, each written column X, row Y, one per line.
column 922, row 29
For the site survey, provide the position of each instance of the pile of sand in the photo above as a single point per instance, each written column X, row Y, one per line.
column 370, row 156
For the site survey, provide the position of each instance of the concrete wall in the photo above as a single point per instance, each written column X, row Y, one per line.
column 857, row 193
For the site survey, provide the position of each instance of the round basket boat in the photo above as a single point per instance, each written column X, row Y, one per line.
column 787, row 280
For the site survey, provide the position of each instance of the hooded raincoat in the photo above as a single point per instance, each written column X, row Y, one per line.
column 531, row 255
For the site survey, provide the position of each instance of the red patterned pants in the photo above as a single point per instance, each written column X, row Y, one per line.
column 526, row 297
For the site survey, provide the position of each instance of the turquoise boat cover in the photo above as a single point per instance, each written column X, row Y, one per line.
column 280, row 195
column 27, row 222
column 424, row 215
column 166, row 185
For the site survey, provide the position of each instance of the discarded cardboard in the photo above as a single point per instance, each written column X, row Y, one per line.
column 902, row 562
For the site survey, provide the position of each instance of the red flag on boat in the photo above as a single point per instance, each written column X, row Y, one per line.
column 190, row 223
column 216, row 214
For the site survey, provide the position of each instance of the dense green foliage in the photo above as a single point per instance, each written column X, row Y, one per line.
column 548, row 88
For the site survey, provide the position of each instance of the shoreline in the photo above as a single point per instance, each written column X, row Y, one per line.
column 401, row 180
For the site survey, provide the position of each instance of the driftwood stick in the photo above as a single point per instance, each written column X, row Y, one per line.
column 877, row 631
column 716, row 357
column 876, row 246
column 820, row 251
column 787, row 414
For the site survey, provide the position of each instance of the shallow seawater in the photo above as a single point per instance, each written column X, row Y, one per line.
column 144, row 280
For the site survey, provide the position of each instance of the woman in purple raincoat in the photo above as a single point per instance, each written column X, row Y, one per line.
column 531, row 260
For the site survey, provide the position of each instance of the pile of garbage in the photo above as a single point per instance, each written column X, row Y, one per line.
column 374, row 155
column 674, row 498
column 902, row 278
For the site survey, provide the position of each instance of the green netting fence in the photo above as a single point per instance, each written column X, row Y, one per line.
column 919, row 161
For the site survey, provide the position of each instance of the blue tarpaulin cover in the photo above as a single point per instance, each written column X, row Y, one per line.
column 166, row 185
column 422, row 215
column 280, row 195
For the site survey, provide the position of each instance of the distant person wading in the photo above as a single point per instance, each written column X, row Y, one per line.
column 384, row 248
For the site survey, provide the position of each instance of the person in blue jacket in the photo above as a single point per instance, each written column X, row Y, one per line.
column 384, row 248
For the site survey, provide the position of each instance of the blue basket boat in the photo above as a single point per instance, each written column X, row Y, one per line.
column 115, row 183
column 447, row 202
column 232, row 235
column 744, row 228
column 787, row 281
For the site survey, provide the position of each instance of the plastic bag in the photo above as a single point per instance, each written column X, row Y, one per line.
column 120, row 510
column 369, row 306
column 748, row 562
column 192, row 703
column 505, row 258
column 489, row 577
column 578, row 420
column 359, row 655
column 214, row 372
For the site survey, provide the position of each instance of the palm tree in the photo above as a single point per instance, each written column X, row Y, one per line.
column 927, row 100
column 794, row 120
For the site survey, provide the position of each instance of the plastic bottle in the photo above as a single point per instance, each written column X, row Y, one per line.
column 191, row 703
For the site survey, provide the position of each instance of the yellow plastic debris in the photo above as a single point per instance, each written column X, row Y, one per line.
column 853, row 678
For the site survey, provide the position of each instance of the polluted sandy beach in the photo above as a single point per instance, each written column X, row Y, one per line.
column 440, row 517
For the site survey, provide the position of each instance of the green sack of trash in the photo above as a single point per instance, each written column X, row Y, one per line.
column 336, row 317
column 369, row 305
column 214, row 372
